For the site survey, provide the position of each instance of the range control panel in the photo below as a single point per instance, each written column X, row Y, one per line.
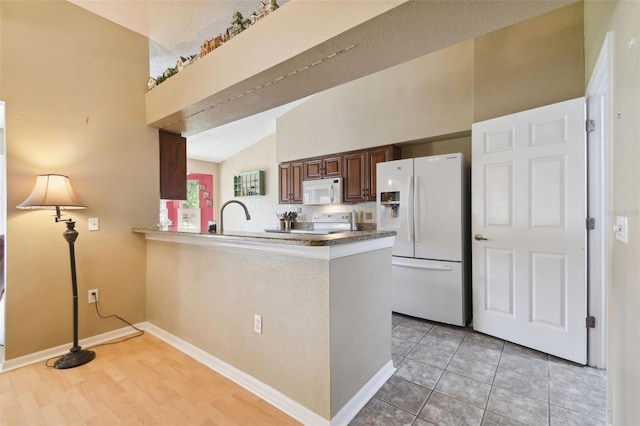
column 331, row 218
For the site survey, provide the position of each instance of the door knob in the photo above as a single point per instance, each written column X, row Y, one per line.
column 479, row 237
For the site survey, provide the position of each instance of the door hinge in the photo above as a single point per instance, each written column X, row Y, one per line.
column 591, row 125
column 591, row 322
column 591, row 223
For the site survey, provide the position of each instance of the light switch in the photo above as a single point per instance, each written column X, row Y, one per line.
column 621, row 228
column 94, row 224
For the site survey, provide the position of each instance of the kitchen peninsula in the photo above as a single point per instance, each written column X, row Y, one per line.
column 322, row 344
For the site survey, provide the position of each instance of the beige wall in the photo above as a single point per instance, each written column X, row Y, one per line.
column 261, row 156
column 209, row 295
column 74, row 86
column 437, row 147
column 623, row 18
column 425, row 97
column 360, row 318
column 534, row 63
column 531, row 64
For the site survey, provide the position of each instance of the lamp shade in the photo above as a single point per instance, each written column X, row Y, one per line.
column 50, row 192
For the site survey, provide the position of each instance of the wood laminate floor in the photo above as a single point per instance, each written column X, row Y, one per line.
column 142, row 381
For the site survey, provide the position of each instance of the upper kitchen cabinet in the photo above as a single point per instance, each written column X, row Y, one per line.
column 360, row 172
column 173, row 166
column 324, row 167
column 290, row 182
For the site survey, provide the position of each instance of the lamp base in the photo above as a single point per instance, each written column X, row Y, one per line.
column 75, row 359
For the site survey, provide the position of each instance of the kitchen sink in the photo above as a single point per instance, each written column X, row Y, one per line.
column 316, row 231
column 306, row 231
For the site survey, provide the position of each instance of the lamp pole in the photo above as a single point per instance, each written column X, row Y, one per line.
column 76, row 356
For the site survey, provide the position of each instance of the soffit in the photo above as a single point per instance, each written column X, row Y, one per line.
column 412, row 29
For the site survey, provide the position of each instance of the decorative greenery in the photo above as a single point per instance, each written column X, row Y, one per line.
column 193, row 195
column 238, row 24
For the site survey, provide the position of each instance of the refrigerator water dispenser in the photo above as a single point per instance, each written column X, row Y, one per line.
column 390, row 201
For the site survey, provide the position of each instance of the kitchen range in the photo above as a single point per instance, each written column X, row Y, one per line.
column 322, row 224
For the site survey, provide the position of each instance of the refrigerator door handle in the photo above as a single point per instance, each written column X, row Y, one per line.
column 410, row 222
column 416, row 207
column 399, row 262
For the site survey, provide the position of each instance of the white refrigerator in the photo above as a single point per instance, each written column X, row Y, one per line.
column 425, row 200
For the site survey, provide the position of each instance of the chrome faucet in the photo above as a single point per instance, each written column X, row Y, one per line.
column 246, row 212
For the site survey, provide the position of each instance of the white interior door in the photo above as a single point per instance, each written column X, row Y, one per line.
column 528, row 223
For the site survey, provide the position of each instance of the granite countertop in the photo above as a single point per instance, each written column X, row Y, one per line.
column 278, row 238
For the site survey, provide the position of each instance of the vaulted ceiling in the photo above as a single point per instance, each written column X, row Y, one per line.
column 409, row 29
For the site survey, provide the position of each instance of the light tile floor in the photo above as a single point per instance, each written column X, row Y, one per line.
column 454, row 376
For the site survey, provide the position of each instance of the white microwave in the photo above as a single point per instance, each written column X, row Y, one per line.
column 322, row 191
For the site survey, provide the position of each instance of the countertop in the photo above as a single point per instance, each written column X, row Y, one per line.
column 278, row 238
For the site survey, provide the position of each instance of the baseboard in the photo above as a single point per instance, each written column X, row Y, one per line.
column 271, row 395
column 57, row 351
column 360, row 399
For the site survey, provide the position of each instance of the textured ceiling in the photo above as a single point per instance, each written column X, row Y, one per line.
column 174, row 27
column 178, row 27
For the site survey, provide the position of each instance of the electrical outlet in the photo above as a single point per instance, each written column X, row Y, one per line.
column 621, row 228
column 92, row 296
column 257, row 324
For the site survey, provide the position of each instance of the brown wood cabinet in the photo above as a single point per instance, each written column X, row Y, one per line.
column 173, row 166
column 290, row 182
column 360, row 172
column 357, row 169
column 323, row 167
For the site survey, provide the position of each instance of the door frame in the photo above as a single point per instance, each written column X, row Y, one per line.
column 3, row 221
column 599, row 202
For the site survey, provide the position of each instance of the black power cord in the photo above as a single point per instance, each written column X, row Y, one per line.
column 140, row 332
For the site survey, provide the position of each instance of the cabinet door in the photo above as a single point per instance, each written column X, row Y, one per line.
column 374, row 157
column 354, row 176
column 173, row 166
column 332, row 166
column 313, row 169
column 324, row 167
column 290, row 182
column 284, row 180
column 296, row 173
